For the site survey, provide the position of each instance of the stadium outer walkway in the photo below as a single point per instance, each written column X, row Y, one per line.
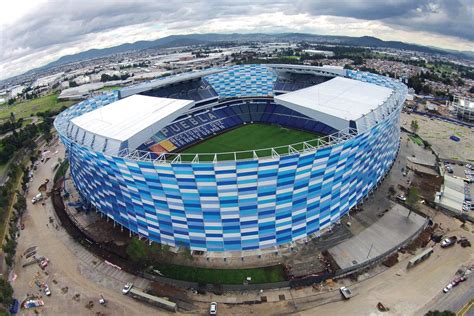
column 393, row 228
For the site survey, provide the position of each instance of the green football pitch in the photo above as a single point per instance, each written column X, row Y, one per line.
column 256, row 137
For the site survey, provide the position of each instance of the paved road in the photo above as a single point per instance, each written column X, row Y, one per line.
column 455, row 299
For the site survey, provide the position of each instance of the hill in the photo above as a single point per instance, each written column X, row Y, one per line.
column 202, row 39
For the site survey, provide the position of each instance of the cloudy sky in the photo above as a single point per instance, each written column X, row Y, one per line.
column 35, row 32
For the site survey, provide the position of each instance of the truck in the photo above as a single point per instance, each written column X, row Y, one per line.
column 154, row 300
column 33, row 303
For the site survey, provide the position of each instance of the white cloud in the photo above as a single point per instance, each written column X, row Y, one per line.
column 35, row 33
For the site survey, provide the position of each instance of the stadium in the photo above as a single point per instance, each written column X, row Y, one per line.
column 237, row 158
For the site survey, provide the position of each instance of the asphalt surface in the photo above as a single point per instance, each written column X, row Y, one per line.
column 455, row 299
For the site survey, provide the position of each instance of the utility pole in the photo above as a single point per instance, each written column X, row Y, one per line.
column 370, row 249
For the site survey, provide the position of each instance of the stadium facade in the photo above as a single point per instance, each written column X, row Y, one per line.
column 124, row 152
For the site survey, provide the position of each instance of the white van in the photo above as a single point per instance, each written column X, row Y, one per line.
column 38, row 197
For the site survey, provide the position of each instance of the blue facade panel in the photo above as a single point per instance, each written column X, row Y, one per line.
column 243, row 205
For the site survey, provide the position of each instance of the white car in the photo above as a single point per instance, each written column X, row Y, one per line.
column 401, row 197
column 346, row 292
column 127, row 288
column 448, row 288
column 213, row 309
column 46, row 290
column 445, row 243
column 38, row 197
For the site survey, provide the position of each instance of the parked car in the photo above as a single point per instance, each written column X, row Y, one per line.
column 454, row 138
column 44, row 263
column 448, row 288
column 456, row 281
column 127, row 287
column 346, row 292
column 38, row 197
column 401, row 197
column 46, row 290
column 448, row 242
column 213, row 309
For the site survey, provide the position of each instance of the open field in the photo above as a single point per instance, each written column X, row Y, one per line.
column 251, row 137
column 223, row 276
column 437, row 133
column 26, row 109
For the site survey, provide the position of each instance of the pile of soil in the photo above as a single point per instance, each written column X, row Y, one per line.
column 391, row 260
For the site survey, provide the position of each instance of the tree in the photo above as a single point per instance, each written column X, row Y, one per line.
column 6, row 292
column 186, row 253
column 12, row 118
column 20, row 205
column 412, row 199
column 137, row 251
column 414, row 126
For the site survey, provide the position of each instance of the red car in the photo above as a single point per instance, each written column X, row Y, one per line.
column 44, row 263
column 458, row 280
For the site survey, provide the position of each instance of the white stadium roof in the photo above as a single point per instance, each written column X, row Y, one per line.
column 165, row 81
column 132, row 120
column 338, row 101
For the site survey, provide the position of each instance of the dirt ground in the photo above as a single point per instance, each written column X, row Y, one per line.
column 73, row 284
column 437, row 133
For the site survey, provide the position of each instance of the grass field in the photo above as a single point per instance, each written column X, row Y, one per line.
column 291, row 57
column 417, row 140
column 223, row 276
column 110, row 88
column 26, row 109
column 250, row 137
